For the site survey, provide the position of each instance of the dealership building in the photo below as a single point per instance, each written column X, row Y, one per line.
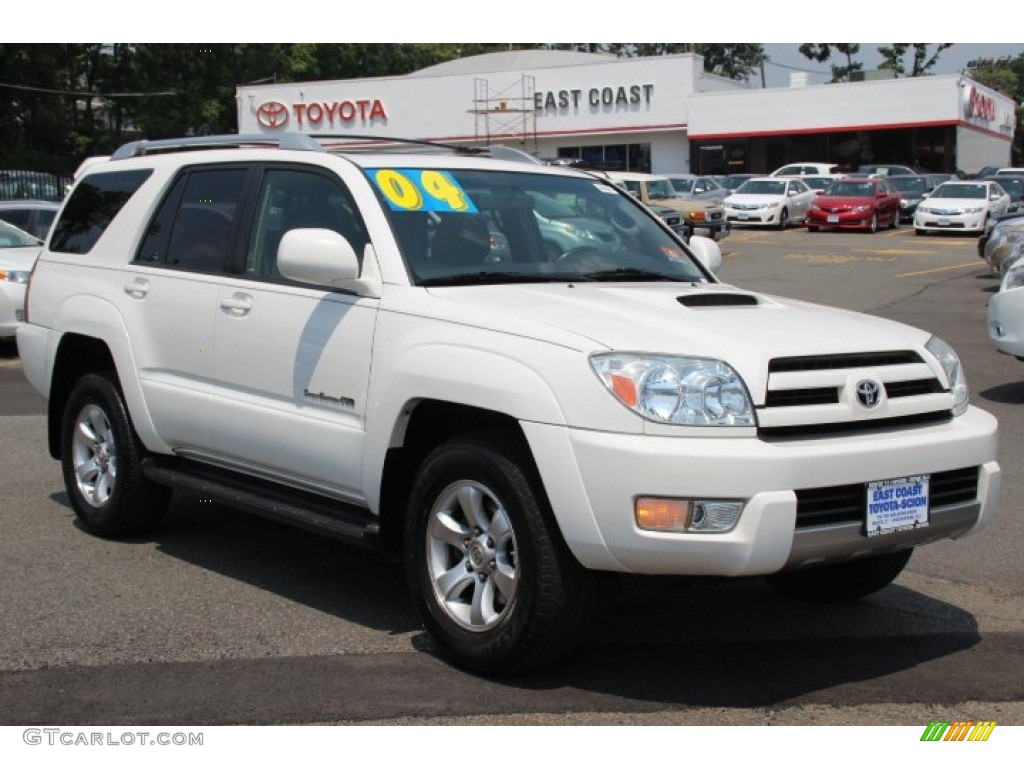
column 661, row 114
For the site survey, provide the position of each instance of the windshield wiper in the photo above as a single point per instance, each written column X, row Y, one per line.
column 632, row 273
column 483, row 278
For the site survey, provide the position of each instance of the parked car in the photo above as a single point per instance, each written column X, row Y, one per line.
column 961, row 206
column 1006, row 312
column 692, row 187
column 912, row 190
column 1012, row 184
column 733, row 181
column 805, row 169
column 1000, row 243
column 18, row 252
column 509, row 432
column 855, row 204
column 703, row 217
column 818, row 182
column 562, row 228
column 31, row 185
column 771, row 201
column 884, row 169
column 32, row 216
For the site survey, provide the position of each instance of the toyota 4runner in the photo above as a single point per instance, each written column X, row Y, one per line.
column 384, row 347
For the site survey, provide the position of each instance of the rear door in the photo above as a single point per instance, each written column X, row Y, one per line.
column 170, row 293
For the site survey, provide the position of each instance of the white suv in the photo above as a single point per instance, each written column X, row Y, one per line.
column 379, row 347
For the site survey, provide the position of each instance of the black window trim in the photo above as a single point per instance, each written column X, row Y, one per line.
column 175, row 189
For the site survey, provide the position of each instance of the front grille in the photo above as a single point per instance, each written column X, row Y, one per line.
column 951, row 225
column 864, row 426
column 912, row 388
column 832, row 362
column 783, row 398
column 716, row 216
column 846, row 503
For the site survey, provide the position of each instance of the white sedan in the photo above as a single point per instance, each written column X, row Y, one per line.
column 961, row 206
column 18, row 251
column 769, row 201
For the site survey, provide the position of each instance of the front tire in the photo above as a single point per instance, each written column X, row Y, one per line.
column 101, row 458
column 873, row 226
column 842, row 582
column 783, row 218
column 493, row 581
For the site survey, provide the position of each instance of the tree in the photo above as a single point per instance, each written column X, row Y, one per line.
column 822, row 52
column 736, row 61
column 921, row 64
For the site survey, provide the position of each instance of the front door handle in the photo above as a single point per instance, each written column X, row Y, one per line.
column 238, row 304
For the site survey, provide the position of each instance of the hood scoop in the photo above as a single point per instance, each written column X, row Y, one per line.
column 701, row 300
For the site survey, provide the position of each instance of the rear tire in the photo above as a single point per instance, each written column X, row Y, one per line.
column 492, row 579
column 842, row 582
column 101, row 458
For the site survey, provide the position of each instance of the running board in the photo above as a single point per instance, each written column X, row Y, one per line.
column 310, row 511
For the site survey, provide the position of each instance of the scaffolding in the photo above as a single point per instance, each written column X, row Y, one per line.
column 507, row 115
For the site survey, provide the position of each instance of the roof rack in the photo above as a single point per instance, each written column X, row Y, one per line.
column 302, row 141
column 286, row 140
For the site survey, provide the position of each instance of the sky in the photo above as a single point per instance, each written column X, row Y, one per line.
column 786, row 58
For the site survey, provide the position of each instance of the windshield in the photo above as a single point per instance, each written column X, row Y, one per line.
column 851, row 189
column 909, row 184
column 682, row 186
column 734, row 182
column 659, row 189
column 961, row 191
column 762, row 187
column 12, row 237
column 458, row 227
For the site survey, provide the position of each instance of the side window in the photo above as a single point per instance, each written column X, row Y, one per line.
column 204, row 224
column 293, row 199
column 97, row 199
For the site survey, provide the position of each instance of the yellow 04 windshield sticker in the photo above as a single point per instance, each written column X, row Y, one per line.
column 410, row 189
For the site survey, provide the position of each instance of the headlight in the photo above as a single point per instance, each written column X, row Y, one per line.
column 14, row 276
column 815, row 207
column 950, row 363
column 972, row 210
column 862, row 208
column 1013, row 277
column 690, row 391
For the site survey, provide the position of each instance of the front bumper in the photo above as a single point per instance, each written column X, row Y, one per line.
column 962, row 222
column 12, row 304
column 715, row 228
column 756, row 217
column 593, row 478
column 844, row 220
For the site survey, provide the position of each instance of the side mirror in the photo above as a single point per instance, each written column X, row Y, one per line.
column 707, row 252
column 317, row 257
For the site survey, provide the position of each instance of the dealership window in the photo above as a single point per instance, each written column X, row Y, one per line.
column 612, row 157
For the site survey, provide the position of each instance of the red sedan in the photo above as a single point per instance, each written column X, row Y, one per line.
column 855, row 204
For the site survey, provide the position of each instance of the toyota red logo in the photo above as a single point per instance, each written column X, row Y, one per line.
column 272, row 114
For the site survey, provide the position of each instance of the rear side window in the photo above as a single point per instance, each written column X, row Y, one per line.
column 92, row 206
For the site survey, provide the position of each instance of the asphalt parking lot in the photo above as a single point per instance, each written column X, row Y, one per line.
column 222, row 618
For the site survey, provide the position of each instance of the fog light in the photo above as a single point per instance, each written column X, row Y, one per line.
column 687, row 515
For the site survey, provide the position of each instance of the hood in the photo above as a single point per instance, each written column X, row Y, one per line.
column 713, row 320
column 21, row 259
column 957, row 202
column 838, row 202
column 744, row 199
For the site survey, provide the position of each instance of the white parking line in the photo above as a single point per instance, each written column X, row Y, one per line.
column 939, row 269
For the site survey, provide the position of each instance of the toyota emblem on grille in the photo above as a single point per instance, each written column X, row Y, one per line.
column 869, row 394
column 272, row 114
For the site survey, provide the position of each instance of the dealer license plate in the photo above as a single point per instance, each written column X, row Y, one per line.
column 900, row 504
column 833, row 219
column 943, row 222
column 743, row 216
